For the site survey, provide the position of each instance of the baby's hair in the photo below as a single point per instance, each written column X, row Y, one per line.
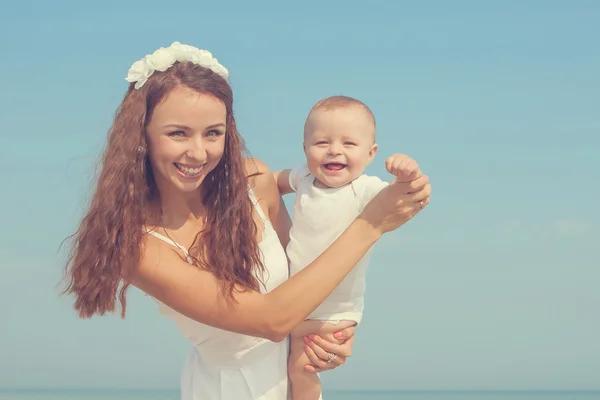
column 337, row 102
column 340, row 102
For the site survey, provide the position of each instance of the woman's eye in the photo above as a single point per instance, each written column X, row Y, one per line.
column 177, row 133
column 214, row 133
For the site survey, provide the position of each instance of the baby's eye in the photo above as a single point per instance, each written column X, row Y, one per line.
column 349, row 144
column 321, row 142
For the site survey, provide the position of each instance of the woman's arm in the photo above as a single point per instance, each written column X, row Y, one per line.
column 196, row 294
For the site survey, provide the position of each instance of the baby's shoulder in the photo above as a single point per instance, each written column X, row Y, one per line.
column 300, row 178
column 366, row 182
column 366, row 187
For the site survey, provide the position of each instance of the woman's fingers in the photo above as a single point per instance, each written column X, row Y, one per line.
column 317, row 349
column 314, row 358
column 396, row 204
column 414, row 185
column 342, row 350
column 345, row 334
column 328, row 366
column 421, row 195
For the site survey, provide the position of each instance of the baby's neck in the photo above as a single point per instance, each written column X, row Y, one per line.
column 320, row 185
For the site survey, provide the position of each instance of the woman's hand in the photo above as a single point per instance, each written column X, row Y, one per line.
column 340, row 346
column 397, row 204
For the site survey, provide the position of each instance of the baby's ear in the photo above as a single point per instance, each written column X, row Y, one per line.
column 304, row 147
column 373, row 151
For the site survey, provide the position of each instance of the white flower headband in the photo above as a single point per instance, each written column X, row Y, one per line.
column 163, row 58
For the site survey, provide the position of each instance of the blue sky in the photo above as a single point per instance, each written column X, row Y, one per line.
column 495, row 286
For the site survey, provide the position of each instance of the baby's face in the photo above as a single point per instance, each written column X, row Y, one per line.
column 339, row 144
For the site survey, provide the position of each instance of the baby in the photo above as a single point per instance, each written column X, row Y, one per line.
column 331, row 191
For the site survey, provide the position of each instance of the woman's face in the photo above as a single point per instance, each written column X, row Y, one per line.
column 186, row 138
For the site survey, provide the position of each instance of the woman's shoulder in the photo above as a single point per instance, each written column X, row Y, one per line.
column 261, row 180
column 255, row 166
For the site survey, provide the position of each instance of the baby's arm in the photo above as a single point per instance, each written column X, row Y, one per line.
column 282, row 178
column 404, row 168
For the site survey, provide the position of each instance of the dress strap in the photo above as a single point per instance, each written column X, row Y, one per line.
column 257, row 206
column 171, row 242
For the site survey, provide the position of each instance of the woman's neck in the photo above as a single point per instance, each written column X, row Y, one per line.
column 175, row 209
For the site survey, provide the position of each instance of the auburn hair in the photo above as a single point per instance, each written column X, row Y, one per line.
column 106, row 247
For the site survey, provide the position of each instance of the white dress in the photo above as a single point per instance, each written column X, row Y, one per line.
column 224, row 365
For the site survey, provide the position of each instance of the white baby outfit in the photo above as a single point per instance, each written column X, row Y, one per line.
column 320, row 216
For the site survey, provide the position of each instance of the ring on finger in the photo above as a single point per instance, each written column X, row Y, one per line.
column 422, row 204
column 331, row 357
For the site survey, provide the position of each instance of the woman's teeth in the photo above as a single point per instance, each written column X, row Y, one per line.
column 189, row 171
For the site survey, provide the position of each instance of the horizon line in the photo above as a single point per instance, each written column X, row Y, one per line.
column 100, row 389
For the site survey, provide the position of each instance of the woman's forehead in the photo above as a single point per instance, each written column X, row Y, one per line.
column 183, row 106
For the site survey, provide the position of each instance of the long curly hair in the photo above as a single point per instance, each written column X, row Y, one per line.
column 106, row 247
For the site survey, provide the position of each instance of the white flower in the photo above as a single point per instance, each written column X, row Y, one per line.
column 139, row 73
column 163, row 58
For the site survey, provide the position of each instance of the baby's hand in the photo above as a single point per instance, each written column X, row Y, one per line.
column 404, row 168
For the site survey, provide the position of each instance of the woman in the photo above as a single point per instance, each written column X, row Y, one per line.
column 180, row 214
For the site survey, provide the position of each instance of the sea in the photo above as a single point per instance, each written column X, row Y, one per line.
column 28, row 394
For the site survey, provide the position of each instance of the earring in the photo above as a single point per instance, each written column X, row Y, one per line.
column 141, row 149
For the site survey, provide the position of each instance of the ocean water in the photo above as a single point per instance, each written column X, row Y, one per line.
column 328, row 395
